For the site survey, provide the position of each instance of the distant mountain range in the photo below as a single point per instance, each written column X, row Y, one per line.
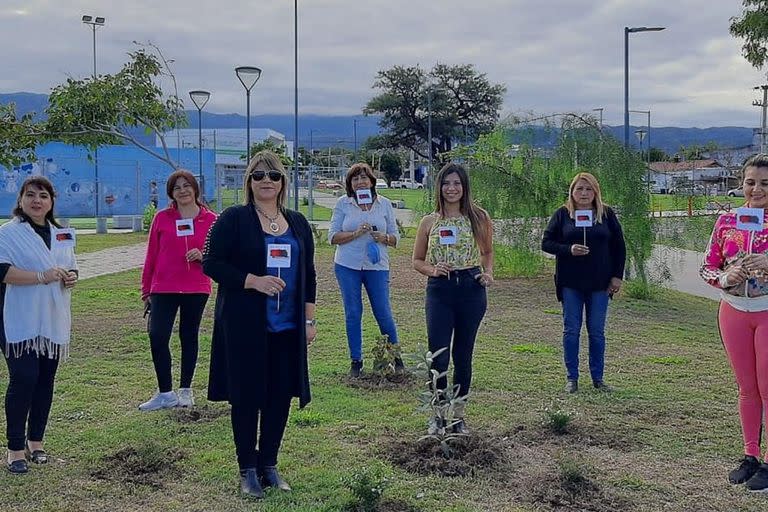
column 339, row 130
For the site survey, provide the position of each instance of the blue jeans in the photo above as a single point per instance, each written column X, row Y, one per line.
column 575, row 302
column 376, row 284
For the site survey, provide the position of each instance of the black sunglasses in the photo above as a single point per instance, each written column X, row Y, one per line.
column 273, row 175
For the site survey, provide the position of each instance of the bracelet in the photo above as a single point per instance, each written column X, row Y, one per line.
column 41, row 277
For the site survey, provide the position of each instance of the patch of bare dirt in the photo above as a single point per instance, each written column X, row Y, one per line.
column 198, row 414
column 369, row 380
column 145, row 466
column 470, row 455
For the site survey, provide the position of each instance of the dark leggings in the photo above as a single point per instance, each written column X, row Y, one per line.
column 28, row 397
column 163, row 313
column 455, row 305
column 257, row 443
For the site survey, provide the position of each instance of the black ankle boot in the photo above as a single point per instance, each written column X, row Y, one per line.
column 271, row 478
column 355, row 369
column 249, row 483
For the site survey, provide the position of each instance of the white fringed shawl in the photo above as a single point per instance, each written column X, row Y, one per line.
column 37, row 317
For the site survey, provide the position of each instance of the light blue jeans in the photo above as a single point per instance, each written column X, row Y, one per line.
column 376, row 284
column 575, row 303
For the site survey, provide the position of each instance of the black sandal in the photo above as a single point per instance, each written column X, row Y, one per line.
column 18, row 467
column 36, row 456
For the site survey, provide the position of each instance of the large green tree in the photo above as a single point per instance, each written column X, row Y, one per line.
column 752, row 26
column 274, row 147
column 464, row 104
column 18, row 136
column 107, row 109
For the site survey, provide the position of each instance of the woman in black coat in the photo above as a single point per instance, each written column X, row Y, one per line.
column 264, row 318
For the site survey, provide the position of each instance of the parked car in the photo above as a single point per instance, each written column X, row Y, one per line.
column 695, row 190
column 735, row 192
column 409, row 184
column 329, row 184
column 381, row 184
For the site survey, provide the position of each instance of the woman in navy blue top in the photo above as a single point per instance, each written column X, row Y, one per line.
column 589, row 269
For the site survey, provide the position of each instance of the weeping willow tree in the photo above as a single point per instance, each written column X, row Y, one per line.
column 521, row 172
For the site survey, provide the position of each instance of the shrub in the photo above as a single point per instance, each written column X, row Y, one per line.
column 149, row 214
column 368, row 485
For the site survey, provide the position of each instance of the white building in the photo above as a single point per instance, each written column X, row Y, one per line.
column 228, row 143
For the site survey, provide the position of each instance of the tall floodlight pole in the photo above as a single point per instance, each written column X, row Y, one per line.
column 599, row 109
column 627, row 31
column 101, row 223
column 200, row 98
column 429, row 134
column 764, row 105
column 248, row 76
column 296, row 105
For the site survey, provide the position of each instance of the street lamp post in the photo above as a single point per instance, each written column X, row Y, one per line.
column 599, row 109
column 764, row 105
column 429, row 134
column 627, row 31
column 648, row 156
column 101, row 222
column 311, row 172
column 248, row 76
column 200, row 98
column 296, row 105
column 354, row 134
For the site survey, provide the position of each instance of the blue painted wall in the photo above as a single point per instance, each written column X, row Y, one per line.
column 125, row 173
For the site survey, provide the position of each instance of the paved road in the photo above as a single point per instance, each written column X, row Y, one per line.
column 684, row 270
column 111, row 261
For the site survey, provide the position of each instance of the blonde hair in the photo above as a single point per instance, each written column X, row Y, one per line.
column 274, row 163
column 597, row 203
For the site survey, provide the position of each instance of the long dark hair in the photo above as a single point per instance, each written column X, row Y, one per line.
column 40, row 183
column 478, row 218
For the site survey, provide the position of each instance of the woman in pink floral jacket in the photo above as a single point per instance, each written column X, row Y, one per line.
column 736, row 261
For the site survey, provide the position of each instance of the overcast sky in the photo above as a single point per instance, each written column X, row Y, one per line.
column 553, row 55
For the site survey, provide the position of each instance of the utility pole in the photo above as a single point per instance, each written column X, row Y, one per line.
column 764, row 105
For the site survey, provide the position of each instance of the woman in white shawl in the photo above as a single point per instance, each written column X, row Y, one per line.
column 37, row 272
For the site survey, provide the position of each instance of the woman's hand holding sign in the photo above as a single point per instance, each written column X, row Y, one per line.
column 194, row 254
column 268, row 285
column 579, row 250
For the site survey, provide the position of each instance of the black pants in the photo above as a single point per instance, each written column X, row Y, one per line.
column 455, row 305
column 28, row 397
column 258, row 432
column 161, row 318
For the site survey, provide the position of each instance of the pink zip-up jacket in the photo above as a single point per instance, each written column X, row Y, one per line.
column 727, row 246
column 165, row 266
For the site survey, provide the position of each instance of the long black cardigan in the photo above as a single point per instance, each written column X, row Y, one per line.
column 234, row 248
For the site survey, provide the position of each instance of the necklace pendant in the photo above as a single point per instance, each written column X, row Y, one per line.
column 274, row 227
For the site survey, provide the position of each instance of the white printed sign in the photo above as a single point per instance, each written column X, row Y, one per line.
column 278, row 255
column 749, row 219
column 63, row 237
column 448, row 235
column 583, row 218
column 185, row 227
column 364, row 196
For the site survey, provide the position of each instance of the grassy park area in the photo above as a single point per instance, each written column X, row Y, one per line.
column 664, row 440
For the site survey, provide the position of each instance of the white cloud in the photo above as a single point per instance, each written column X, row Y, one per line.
column 553, row 55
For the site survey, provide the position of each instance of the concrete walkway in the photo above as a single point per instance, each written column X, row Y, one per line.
column 684, row 269
column 111, row 261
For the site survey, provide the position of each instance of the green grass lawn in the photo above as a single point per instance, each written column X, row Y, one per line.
column 413, row 198
column 664, row 440
column 95, row 242
column 667, row 202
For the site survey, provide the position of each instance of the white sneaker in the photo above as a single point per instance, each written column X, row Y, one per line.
column 160, row 401
column 186, row 398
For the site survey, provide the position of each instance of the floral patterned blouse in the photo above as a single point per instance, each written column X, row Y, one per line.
column 462, row 254
column 727, row 246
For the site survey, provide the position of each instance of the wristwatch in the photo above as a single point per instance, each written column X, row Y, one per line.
column 312, row 322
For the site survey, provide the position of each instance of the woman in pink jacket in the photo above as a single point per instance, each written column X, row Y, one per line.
column 173, row 281
column 736, row 261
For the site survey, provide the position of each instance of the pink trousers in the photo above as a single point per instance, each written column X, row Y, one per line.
column 745, row 337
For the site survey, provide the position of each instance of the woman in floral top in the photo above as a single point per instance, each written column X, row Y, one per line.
column 454, row 248
column 736, row 261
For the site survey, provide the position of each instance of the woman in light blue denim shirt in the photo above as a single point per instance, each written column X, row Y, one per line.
column 363, row 227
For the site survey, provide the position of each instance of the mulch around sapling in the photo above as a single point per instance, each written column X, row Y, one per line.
column 148, row 466
column 385, row 505
column 198, row 414
column 470, row 455
column 375, row 381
